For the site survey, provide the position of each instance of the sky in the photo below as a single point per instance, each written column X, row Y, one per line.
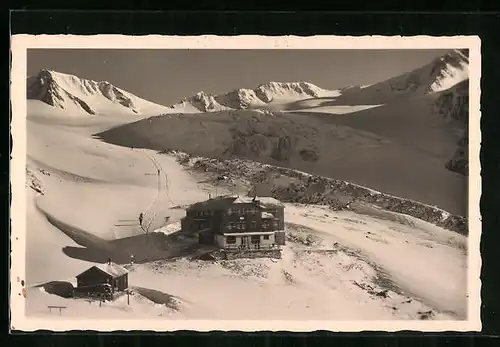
column 167, row 76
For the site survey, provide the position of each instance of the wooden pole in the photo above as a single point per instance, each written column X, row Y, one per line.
column 128, row 297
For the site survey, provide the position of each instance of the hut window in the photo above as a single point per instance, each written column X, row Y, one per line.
column 266, row 237
column 255, row 239
column 235, row 211
column 231, row 239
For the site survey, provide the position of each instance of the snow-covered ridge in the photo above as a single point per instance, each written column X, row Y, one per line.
column 86, row 96
column 440, row 74
column 252, row 98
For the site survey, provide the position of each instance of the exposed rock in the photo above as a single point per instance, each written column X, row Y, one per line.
column 292, row 186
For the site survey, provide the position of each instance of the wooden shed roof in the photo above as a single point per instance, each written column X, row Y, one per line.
column 113, row 270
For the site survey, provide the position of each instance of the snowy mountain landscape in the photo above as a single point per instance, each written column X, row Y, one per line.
column 372, row 177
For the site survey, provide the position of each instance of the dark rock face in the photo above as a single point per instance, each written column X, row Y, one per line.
column 114, row 94
column 459, row 163
column 453, row 105
column 309, row 155
column 283, row 149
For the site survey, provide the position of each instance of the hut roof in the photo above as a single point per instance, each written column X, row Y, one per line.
column 224, row 202
column 113, row 269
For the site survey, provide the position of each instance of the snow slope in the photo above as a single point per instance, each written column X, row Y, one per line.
column 83, row 96
column 336, row 265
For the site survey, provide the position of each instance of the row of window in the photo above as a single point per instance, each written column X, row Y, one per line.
column 266, row 224
column 240, row 225
column 242, row 211
column 253, row 239
column 204, row 213
column 232, row 211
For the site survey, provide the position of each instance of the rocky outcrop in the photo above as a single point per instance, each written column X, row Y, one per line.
column 453, row 106
column 293, row 186
column 283, row 149
column 33, row 181
column 459, row 163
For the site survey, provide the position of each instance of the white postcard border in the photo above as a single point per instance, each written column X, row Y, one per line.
column 20, row 44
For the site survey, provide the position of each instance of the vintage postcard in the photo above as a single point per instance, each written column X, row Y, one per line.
column 245, row 183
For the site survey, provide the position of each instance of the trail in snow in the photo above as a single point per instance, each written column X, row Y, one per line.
column 159, row 169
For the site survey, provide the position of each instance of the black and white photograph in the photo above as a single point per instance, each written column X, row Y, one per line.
column 245, row 183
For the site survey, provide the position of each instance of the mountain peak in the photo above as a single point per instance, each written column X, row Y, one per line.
column 260, row 96
column 80, row 95
column 449, row 70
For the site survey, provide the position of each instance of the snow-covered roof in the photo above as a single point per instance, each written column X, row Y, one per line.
column 262, row 200
column 224, row 202
column 112, row 269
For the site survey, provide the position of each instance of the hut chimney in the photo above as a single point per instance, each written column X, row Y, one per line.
column 109, row 261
